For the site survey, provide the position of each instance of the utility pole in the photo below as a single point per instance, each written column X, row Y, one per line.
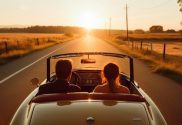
column 106, row 30
column 126, row 22
column 110, row 26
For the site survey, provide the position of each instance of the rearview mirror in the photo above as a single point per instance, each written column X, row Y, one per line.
column 85, row 61
column 35, row 82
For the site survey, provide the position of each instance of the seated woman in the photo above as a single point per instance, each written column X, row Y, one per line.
column 112, row 85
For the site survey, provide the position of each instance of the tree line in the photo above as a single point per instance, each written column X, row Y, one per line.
column 180, row 4
column 44, row 29
column 157, row 29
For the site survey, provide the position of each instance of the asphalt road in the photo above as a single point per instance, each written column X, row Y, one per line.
column 15, row 79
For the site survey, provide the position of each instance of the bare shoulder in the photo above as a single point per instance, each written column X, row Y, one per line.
column 99, row 88
column 124, row 89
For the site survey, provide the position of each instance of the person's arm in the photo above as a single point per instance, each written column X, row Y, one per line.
column 78, row 88
column 125, row 90
column 75, row 88
column 98, row 88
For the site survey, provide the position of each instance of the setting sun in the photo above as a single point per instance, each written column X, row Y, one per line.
column 88, row 20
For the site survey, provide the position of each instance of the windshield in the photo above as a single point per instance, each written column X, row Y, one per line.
column 93, row 62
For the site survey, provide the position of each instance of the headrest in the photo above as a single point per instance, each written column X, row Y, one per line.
column 87, row 96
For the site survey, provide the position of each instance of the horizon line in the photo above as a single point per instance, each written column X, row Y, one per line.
column 26, row 26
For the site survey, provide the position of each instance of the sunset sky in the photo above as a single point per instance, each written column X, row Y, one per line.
column 91, row 13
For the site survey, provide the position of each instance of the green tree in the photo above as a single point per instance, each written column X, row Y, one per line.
column 170, row 31
column 139, row 31
column 156, row 29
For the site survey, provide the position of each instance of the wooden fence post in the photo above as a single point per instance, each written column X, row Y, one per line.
column 151, row 46
column 38, row 42
column 6, row 47
column 164, row 51
column 141, row 45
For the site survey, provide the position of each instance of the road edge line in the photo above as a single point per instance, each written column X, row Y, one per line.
column 10, row 76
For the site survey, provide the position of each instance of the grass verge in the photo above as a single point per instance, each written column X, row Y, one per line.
column 15, row 54
column 172, row 70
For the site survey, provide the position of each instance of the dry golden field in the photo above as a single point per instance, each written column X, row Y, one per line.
column 159, row 36
column 16, row 45
column 172, row 48
column 170, row 67
column 173, row 45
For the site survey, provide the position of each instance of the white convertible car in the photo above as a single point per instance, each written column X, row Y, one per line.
column 86, row 107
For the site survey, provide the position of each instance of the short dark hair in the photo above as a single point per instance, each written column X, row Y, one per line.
column 63, row 69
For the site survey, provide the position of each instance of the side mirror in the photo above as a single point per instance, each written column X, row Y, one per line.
column 35, row 82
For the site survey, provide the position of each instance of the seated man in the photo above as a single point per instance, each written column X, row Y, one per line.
column 61, row 84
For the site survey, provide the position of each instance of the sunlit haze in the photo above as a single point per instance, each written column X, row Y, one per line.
column 91, row 13
column 88, row 19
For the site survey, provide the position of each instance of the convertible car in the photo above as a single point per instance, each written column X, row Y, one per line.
column 87, row 107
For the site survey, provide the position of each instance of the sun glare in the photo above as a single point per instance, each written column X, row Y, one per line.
column 88, row 20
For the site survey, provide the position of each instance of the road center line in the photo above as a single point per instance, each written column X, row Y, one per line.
column 10, row 76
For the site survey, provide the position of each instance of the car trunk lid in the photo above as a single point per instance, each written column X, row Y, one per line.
column 90, row 112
